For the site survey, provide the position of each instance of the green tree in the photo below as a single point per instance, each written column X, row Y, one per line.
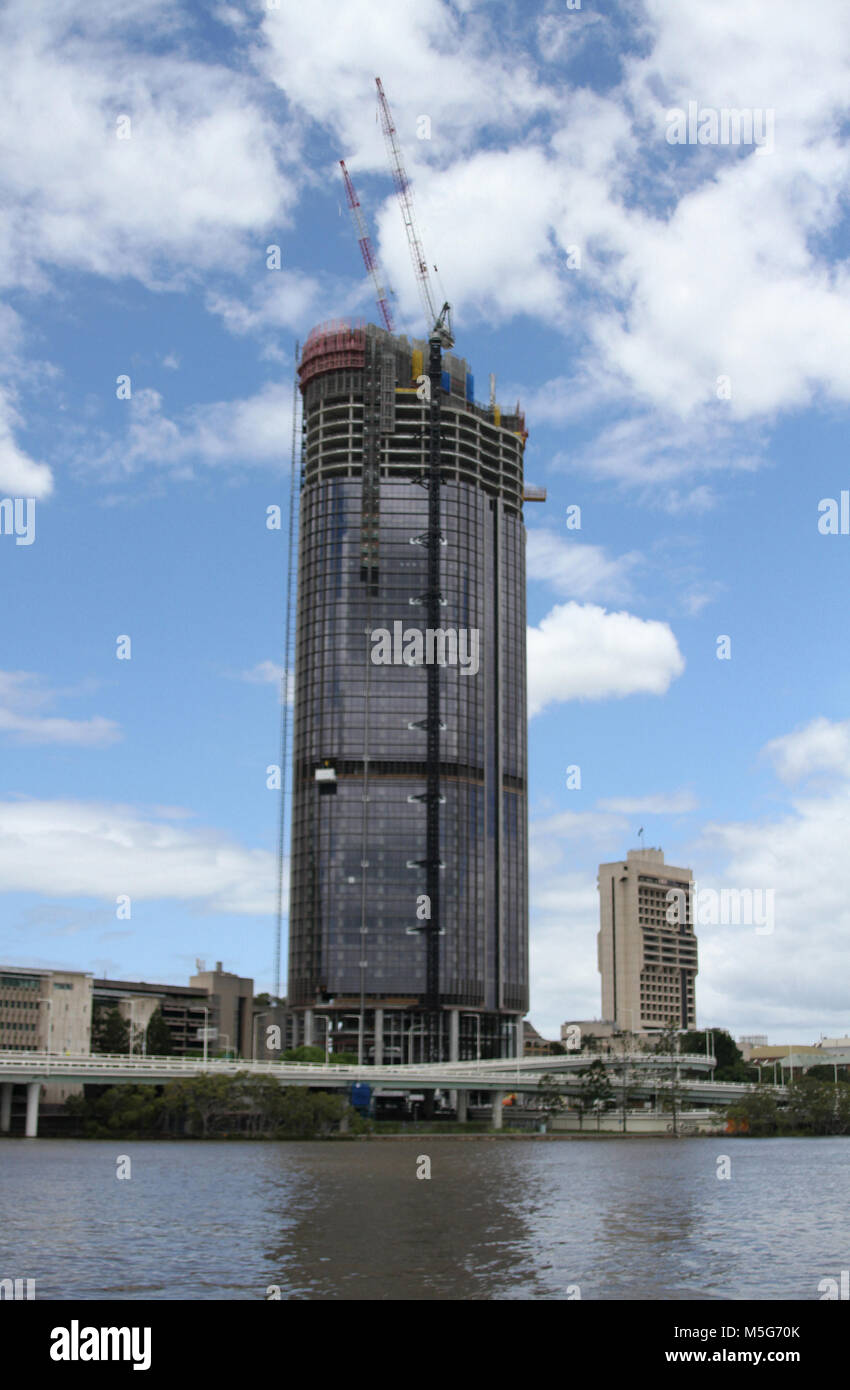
column 304, row 1054
column 158, row 1041
column 730, row 1060
column 551, row 1099
column 111, row 1032
column 670, row 1090
column 757, row 1111
column 815, row 1106
column 595, row 1090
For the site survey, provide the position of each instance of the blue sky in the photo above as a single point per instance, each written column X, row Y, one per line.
column 686, row 384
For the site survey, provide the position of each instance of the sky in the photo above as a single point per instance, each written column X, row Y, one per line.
column 671, row 310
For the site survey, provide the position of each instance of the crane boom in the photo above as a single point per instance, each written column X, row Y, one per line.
column 370, row 260
column 414, row 241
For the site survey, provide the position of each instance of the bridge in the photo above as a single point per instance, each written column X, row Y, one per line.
column 650, row 1075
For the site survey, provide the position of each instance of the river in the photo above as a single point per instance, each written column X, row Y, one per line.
column 497, row 1219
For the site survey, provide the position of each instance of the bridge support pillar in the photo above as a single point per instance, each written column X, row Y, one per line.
column 461, row 1105
column 33, row 1090
column 5, row 1107
column 498, row 1097
column 379, row 1037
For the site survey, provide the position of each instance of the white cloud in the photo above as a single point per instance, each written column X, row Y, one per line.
column 23, row 700
column 823, row 746
column 255, row 430
column 575, row 569
column 270, row 673
column 582, row 652
column 661, row 804
column 81, row 849
column 20, row 476
column 744, row 982
column 186, row 192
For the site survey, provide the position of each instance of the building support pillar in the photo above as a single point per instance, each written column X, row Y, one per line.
column 5, row 1107
column 378, row 1030
column 498, row 1097
column 33, row 1091
column 460, row 1108
column 308, row 1027
column 454, row 1035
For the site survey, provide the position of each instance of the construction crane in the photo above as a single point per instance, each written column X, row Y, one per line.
column 437, row 323
column 366, row 248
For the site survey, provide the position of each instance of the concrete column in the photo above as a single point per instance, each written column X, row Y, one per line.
column 308, row 1027
column 5, row 1107
column 379, row 1037
column 462, row 1097
column 454, row 1035
column 520, row 1036
column 33, row 1089
column 498, row 1097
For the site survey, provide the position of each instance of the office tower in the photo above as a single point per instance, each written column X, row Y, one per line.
column 647, row 950
column 358, row 899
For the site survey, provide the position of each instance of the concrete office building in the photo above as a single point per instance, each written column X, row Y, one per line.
column 231, row 1005
column 356, row 949
column 184, row 1010
column 45, row 1010
column 648, row 963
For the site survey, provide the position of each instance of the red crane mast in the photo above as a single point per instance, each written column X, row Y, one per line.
column 365, row 242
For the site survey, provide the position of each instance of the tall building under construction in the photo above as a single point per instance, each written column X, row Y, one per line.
column 362, row 751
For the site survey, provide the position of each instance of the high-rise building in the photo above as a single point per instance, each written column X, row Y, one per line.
column 358, row 898
column 647, row 950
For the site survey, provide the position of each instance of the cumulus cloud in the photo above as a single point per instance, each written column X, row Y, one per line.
column 582, row 652
column 24, row 701
column 20, row 475
column 187, row 189
column 80, row 849
column 253, row 430
column 575, row 569
column 823, row 746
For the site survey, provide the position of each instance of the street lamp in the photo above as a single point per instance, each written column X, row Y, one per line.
column 410, row 1032
column 206, row 1014
column 516, row 1024
column 132, row 1005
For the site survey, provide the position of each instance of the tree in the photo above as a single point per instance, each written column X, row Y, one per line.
column 755, row 1113
column 730, row 1060
column 670, row 1086
column 551, row 1099
column 158, row 1041
column 818, row 1107
column 111, row 1032
column 304, row 1054
column 626, row 1077
column 596, row 1092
